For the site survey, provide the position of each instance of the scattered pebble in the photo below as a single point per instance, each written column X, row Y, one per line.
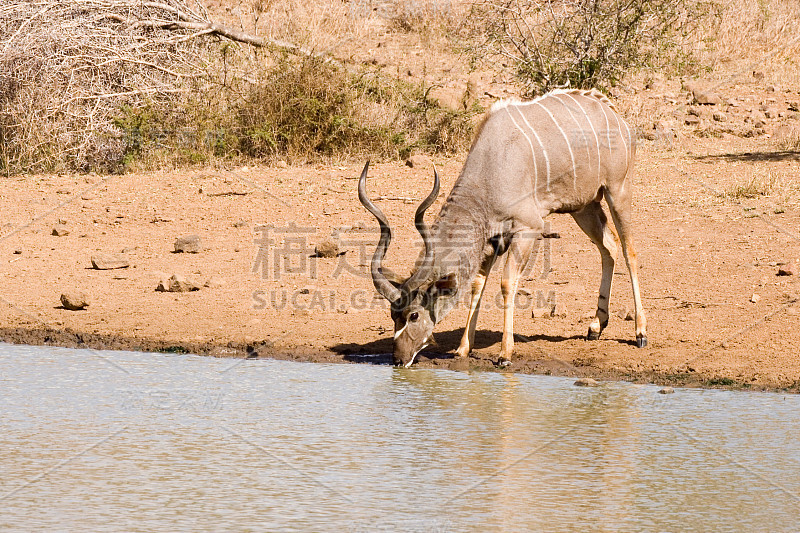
column 625, row 314
column 789, row 269
column 667, row 390
column 418, row 160
column 189, row 244
column 74, row 301
column 720, row 116
column 586, row 382
column 327, row 248
column 706, row 97
column 559, row 310
column 18, row 251
column 541, row 312
column 755, row 298
column 109, row 261
column 60, row 231
column 177, row 283
column 214, row 282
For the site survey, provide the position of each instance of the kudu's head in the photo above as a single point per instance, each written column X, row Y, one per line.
column 416, row 302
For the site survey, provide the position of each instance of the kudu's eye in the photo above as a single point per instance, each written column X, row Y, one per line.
column 413, row 317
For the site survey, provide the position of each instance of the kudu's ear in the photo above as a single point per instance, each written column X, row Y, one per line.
column 446, row 284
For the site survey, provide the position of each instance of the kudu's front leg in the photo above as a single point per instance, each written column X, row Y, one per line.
column 478, row 285
column 518, row 254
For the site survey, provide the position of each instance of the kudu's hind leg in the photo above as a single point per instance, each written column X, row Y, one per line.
column 621, row 212
column 592, row 220
column 478, row 285
column 518, row 254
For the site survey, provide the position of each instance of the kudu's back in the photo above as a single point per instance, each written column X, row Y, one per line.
column 552, row 154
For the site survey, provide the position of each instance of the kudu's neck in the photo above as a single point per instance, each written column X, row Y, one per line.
column 460, row 235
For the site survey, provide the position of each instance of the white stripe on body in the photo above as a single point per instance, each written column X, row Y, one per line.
column 582, row 130
column 569, row 147
column 541, row 144
column 594, row 132
column 622, row 138
column 608, row 133
column 533, row 155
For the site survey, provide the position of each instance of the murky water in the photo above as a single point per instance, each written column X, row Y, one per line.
column 119, row 441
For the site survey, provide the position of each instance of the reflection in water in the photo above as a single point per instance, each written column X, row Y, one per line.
column 179, row 443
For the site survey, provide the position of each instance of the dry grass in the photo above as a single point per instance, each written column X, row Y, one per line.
column 110, row 86
column 67, row 67
column 755, row 187
column 755, row 35
column 84, row 87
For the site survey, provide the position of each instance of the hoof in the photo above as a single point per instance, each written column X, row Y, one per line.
column 503, row 362
column 641, row 341
column 592, row 335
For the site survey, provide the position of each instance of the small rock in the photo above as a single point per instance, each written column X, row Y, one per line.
column 189, row 244
column 755, row 298
column 719, row 116
column 60, row 231
column 418, row 160
column 786, row 132
column 177, row 283
column 667, row 390
column 109, row 261
column 771, row 113
column 586, row 382
column 282, row 164
column 789, row 269
column 327, row 248
column 74, row 301
column 559, row 310
column 706, row 97
column 757, row 74
column 691, row 120
column 214, row 282
column 18, row 251
column 241, row 224
column 625, row 314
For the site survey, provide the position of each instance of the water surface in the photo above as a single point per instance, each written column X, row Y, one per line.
column 122, row 441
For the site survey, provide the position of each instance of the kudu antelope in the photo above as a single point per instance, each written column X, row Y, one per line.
column 560, row 153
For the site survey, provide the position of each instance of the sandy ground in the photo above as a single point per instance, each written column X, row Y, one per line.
column 719, row 315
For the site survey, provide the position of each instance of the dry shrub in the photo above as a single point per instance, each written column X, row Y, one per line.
column 584, row 43
column 67, row 67
column 305, row 110
column 120, row 84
